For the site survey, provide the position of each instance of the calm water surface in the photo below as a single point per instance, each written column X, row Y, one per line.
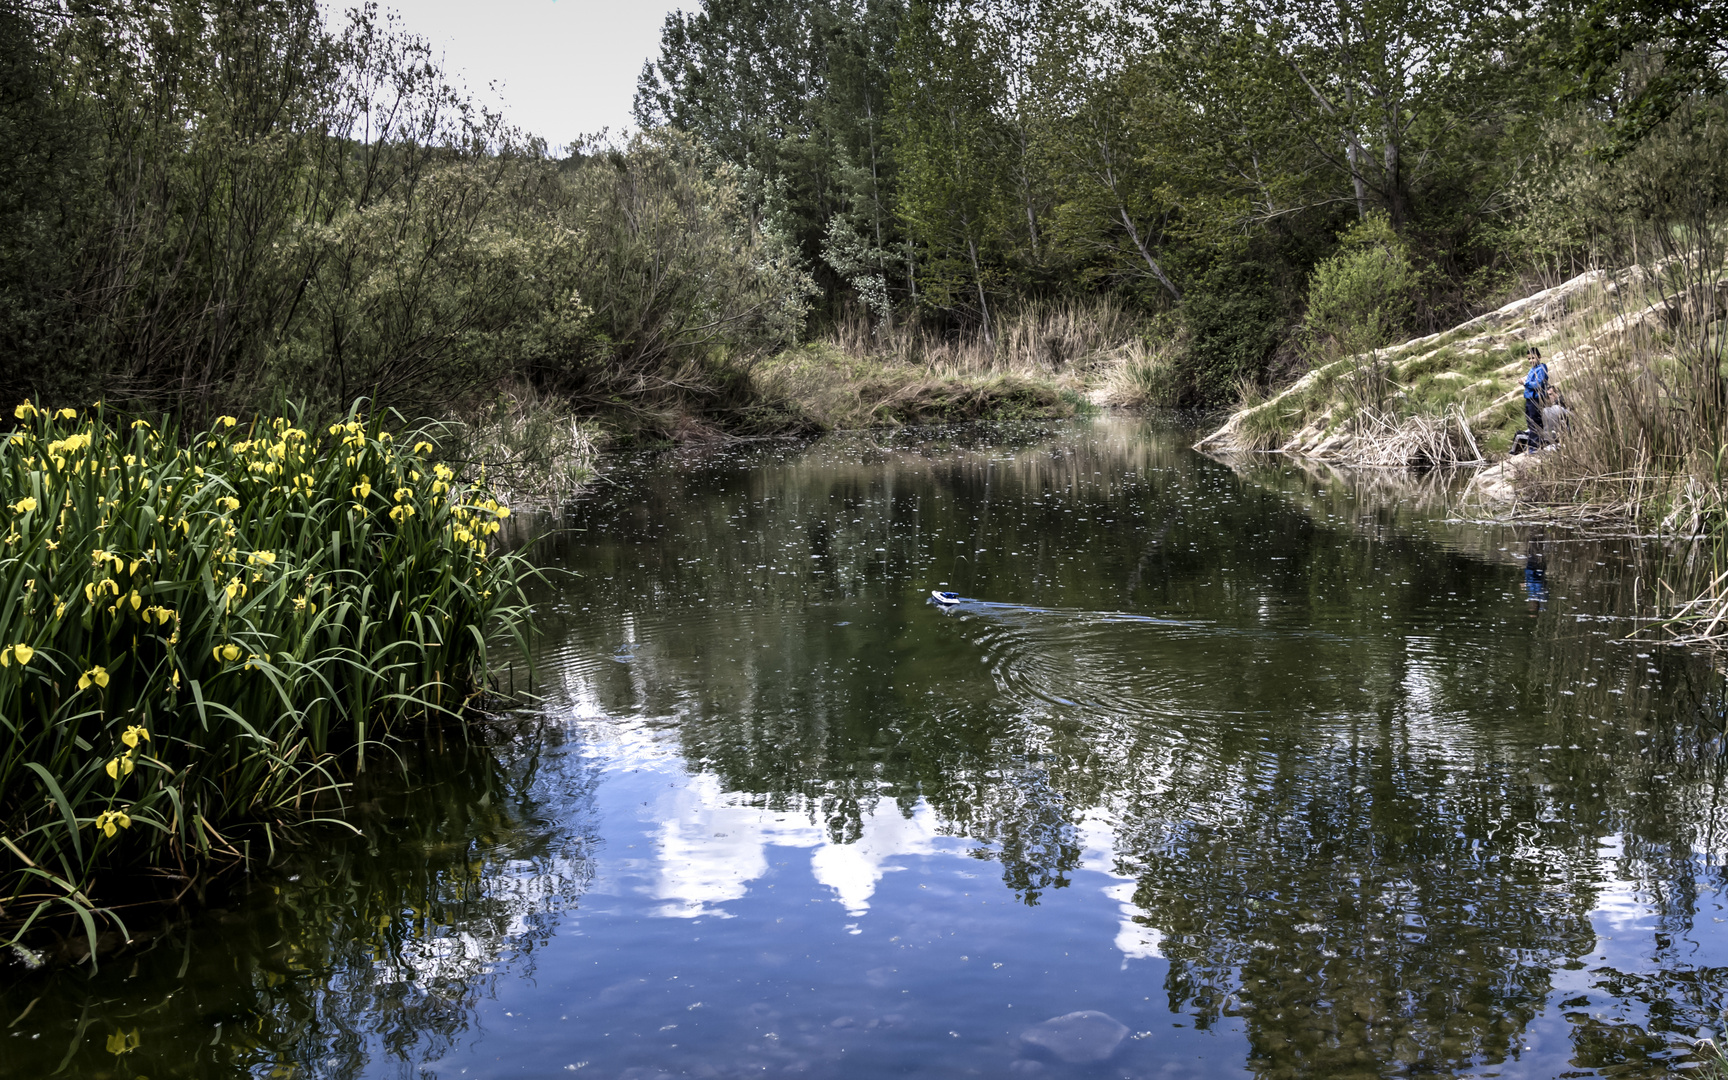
column 1263, row 771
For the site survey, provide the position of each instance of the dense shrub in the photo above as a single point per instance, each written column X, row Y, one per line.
column 1234, row 324
column 1362, row 297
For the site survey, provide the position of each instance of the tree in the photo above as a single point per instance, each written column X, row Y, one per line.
column 950, row 145
column 1644, row 59
column 45, row 191
column 1100, row 122
column 794, row 96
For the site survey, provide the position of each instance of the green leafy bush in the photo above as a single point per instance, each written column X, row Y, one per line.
column 1233, row 326
column 201, row 637
column 1362, row 298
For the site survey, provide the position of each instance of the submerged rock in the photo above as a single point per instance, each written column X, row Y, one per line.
column 1079, row 1037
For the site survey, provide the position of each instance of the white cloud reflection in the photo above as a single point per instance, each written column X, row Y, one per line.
column 1134, row 939
column 712, row 846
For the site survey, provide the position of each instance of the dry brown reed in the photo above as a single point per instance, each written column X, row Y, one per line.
column 528, row 445
column 1040, row 336
column 1702, row 620
column 1141, row 375
column 1647, row 399
column 1039, row 361
column 1649, row 432
column 1383, row 441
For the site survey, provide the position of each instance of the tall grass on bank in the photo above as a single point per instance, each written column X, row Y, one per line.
column 1039, row 362
column 206, row 635
column 1038, row 336
column 1648, row 438
column 536, row 452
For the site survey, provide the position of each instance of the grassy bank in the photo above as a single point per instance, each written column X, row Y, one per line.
column 202, row 635
column 1638, row 354
column 1435, row 400
column 1043, row 360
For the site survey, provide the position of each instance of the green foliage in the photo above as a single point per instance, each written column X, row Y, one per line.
column 203, row 638
column 1234, row 322
column 948, row 140
column 44, row 182
column 1156, row 153
column 1654, row 57
column 216, row 204
column 662, row 257
column 1361, row 298
column 795, row 97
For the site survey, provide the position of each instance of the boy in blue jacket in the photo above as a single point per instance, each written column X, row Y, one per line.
column 1535, row 389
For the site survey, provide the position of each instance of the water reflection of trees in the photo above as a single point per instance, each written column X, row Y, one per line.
column 350, row 954
column 1388, row 862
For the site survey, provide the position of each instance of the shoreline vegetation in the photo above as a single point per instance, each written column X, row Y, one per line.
column 204, row 636
column 834, row 214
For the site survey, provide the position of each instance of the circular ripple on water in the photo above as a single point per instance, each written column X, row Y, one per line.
column 1168, row 671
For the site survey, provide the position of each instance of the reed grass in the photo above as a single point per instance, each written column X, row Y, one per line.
column 1040, row 360
column 200, row 638
column 1046, row 336
column 1423, row 441
column 1142, row 376
column 536, row 451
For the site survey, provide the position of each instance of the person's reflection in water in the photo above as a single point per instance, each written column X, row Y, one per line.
column 1536, row 573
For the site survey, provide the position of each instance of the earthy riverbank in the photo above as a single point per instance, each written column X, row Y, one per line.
column 1444, row 398
column 1637, row 357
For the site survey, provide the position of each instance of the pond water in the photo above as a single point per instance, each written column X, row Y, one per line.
column 1214, row 771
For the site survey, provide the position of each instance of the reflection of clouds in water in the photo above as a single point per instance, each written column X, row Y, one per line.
column 710, row 851
column 712, row 844
column 1135, row 940
column 711, row 848
column 1618, row 910
column 852, row 870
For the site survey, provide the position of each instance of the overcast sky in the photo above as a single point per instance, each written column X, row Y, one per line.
column 564, row 67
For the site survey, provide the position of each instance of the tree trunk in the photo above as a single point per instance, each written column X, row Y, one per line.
column 978, row 280
column 1394, row 182
column 1145, row 253
column 1353, row 151
column 1026, row 192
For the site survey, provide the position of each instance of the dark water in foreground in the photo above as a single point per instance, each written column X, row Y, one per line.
column 1286, row 774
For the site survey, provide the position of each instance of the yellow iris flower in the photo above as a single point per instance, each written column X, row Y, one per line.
column 107, row 821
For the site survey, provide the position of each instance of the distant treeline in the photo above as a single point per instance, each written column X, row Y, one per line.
column 948, row 159
column 214, row 204
column 208, row 204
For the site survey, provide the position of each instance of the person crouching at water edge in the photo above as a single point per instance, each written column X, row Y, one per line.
column 1543, row 408
column 1555, row 416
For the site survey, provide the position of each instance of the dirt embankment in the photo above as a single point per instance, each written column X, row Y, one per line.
column 1450, row 398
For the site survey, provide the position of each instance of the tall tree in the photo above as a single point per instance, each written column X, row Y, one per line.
column 795, row 96
column 1644, row 58
column 955, row 198
column 1101, row 129
column 1385, row 93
